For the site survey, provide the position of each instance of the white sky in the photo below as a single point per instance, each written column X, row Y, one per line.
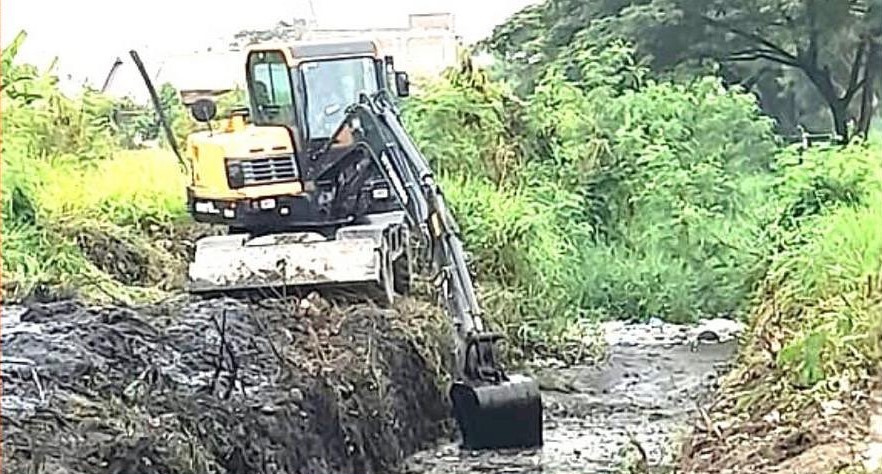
column 87, row 35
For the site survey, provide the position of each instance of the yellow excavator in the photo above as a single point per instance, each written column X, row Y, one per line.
column 319, row 184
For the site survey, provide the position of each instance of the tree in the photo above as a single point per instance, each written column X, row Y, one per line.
column 833, row 45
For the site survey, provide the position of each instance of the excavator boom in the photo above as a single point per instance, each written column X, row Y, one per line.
column 492, row 408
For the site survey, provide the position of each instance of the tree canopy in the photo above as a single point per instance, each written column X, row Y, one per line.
column 814, row 64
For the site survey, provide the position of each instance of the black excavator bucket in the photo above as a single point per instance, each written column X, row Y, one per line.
column 499, row 416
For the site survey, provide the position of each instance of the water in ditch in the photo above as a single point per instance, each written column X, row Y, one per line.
column 639, row 398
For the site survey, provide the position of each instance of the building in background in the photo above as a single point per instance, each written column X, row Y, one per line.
column 425, row 47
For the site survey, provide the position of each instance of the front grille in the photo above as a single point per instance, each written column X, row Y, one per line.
column 266, row 170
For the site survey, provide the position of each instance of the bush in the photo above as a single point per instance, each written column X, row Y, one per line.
column 624, row 202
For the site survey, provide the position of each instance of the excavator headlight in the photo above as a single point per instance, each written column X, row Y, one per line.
column 206, row 207
column 235, row 177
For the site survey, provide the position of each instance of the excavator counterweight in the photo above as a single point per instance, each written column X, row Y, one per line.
column 324, row 187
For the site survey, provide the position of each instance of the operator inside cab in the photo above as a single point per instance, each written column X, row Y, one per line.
column 310, row 96
column 332, row 87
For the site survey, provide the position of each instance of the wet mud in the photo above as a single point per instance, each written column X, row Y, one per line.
column 221, row 386
column 303, row 386
column 603, row 418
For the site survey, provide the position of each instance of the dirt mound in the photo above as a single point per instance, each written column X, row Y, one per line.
column 154, row 256
column 807, row 442
column 751, row 428
column 220, row 386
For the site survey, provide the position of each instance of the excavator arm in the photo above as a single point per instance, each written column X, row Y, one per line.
column 492, row 408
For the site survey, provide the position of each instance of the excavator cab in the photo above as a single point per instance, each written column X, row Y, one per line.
column 308, row 88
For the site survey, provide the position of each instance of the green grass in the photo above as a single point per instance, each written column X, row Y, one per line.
column 826, row 287
column 94, row 226
column 816, row 323
column 134, row 188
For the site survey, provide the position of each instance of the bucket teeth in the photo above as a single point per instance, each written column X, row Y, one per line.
column 499, row 416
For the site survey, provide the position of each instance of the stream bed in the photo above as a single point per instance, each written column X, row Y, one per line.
column 238, row 387
column 643, row 394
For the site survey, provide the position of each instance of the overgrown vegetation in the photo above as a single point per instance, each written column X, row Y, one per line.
column 693, row 208
column 79, row 212
column 812, row 355
column 611, row 195
column 611, row 179
column 814, row 64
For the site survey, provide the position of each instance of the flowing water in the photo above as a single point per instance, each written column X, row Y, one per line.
column 643, row 394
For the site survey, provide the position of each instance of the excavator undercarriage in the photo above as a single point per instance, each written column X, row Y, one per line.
column 361, row 209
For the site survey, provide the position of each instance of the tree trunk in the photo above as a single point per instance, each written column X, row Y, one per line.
column 868, row 96
column 823, row 81
column 840, row 119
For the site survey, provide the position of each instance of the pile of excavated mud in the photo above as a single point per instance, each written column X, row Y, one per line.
column 220, row 386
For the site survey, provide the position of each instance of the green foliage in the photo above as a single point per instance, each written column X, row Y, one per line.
column 67, row 191
column 464, row 125
column 808, row 60
column 817, row 331
column 622, row 196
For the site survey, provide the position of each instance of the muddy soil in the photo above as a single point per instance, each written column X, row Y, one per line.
column 596, row 418
column 230, row 386
column 219, row 386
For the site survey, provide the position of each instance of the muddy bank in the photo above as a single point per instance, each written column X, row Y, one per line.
column 219, row 386
column 598, row 419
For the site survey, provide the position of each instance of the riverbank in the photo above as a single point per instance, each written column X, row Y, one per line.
column 220, row 386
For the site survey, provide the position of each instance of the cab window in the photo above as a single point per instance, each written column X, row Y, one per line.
column 271, row 88
column 331, row 86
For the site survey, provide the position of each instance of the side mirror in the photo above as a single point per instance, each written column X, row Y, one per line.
column 402, row 84
column 203, row 110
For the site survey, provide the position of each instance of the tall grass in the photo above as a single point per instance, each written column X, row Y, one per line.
column 825, row 286
column 79, row 212
column 603, row 197
column 813, row 352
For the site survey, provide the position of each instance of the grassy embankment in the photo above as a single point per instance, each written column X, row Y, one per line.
column 799, row 397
